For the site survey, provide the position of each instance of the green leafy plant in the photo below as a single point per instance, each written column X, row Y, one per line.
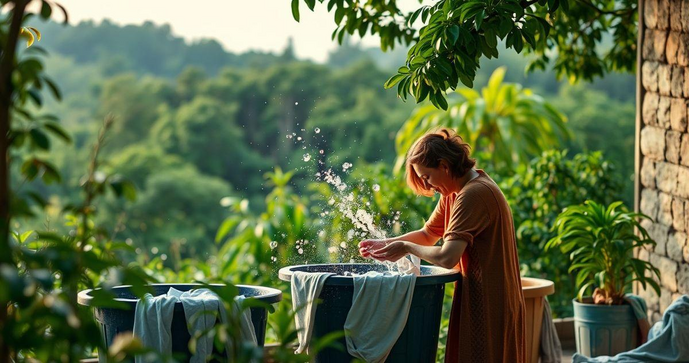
column 600, row 240
column 507, row 123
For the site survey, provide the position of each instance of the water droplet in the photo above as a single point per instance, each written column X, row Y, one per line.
column 321, row 152
column 307, row 157
column 289, row 136
column 376, row 187
column 296, row 103
column 317, row 130
column 273, row 245
column 299, row 138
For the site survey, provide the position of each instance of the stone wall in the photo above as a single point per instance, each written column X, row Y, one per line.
column 663, row 145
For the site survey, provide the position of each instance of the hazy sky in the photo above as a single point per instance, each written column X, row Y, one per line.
column 239, row 25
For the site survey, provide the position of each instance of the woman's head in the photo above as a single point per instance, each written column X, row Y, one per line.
column 437, row 158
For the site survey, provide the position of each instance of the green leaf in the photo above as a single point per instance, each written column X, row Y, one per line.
column 40, row 139
column 310, row 4
column 57, row 130
column 453, row 32
column 394, row 80
column 479, row 18
column 46, row 10
column 295, row 10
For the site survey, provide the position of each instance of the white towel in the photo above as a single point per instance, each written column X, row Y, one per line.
column 306, row 287
column 152, row 322
column 550, row 349
column 379, row 312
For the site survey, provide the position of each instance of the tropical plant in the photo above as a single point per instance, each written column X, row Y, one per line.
column 600, row 241
column 455, row 34
column 537, row 193
column 504, row 123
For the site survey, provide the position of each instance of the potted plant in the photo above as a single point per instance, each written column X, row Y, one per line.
column 600, row 242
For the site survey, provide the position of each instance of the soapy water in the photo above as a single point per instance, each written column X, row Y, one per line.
column 347, row 205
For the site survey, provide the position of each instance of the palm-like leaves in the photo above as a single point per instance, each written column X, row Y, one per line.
column 600, row 241
column 508, row 123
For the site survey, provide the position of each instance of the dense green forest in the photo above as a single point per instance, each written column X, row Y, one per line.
column 195, row 123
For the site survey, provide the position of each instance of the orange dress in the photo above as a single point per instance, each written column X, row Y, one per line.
column 487, row 318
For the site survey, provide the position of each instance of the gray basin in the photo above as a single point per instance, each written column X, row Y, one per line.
column 419, row 339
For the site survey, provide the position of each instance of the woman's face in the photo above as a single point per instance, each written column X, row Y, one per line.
column 437, row 179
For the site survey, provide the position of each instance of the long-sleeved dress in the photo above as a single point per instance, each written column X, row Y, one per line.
column 487, row 318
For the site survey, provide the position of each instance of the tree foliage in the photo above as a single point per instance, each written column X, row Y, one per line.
column 505, row 124
column 455, row 34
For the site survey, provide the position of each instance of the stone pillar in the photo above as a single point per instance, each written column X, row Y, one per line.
column 662, row 160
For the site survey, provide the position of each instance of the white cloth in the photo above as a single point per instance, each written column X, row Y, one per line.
column 409, row 264
column 202, row 308
column 306, row 287
column 152, row 322
column 379, row 312
column 550, row 349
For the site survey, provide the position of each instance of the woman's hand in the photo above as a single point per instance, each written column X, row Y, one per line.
column 369, row 245
column 393, row 251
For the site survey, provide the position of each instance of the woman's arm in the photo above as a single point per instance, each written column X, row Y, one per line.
column 420, row 237
column 447, row 255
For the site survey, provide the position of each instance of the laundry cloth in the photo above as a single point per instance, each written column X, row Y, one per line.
column 152, row 324
column 550, row 349
column 202, row 308
column 306, row 288
column 379, row 312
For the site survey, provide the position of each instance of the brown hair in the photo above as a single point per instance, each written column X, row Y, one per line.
column 430, row 149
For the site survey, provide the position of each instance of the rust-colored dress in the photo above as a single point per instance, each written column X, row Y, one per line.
column 487, row 317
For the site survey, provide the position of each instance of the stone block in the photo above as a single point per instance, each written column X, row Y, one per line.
column 664, row 80
column 675, row 246
column 668, row 273
column 678, row 218
column 644, row 255
column 665, row 209
column 685, row 16
column 683, row 50
column 649, row 76
column 648, row 173
column 684, row 150
column 673, row 144
column 682, row 182
column 649, row 109
column 653, row 143
column 671, row 46
column 659, row 234
column 663, row 11
column 665, row 299
column 651, row 14
column 664, row 105
column 676, row 15
column 676, row 81
column 678, row 114
column 683, row 279
column 648, row 204
column 666, row 177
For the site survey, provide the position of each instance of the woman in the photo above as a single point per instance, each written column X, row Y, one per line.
column 475, row 223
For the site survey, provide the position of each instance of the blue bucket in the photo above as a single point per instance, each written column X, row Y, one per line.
column 604, row 329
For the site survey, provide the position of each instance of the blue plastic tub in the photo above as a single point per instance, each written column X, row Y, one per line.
column 604, row 329
column 116, row 321
column 419, row 339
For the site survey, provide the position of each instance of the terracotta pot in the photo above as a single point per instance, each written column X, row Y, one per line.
column 535, row 291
